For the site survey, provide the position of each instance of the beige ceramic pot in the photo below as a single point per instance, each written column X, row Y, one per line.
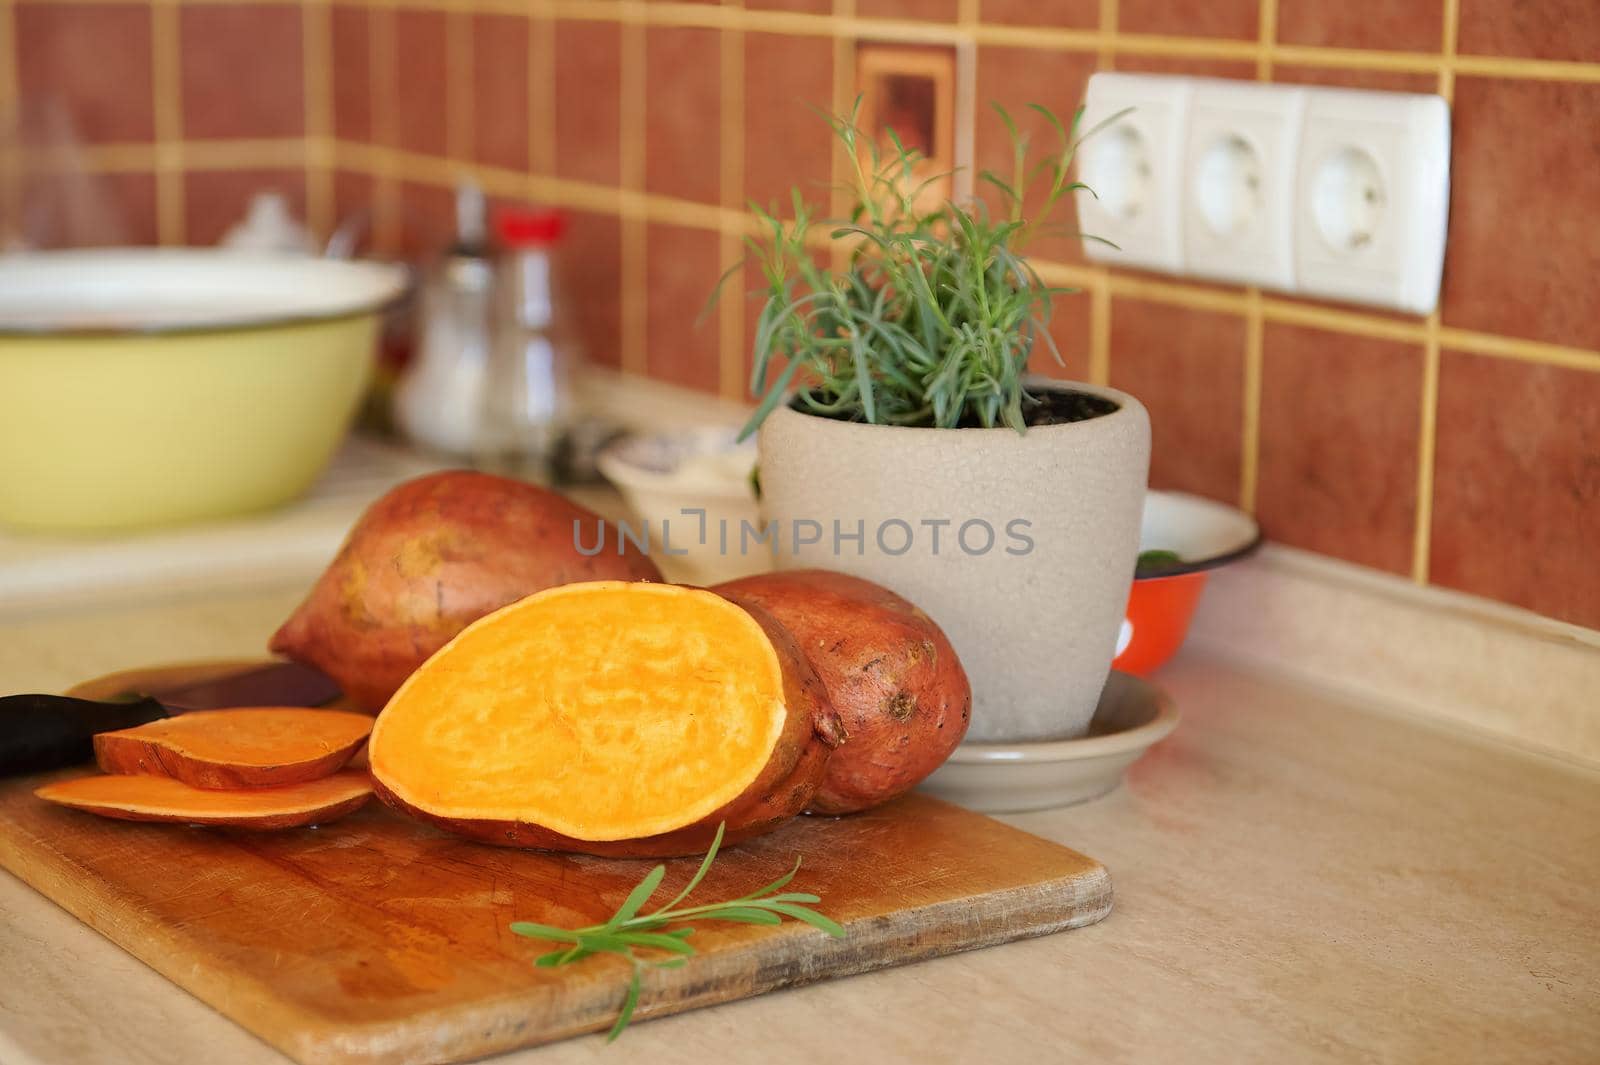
column 1022, row 548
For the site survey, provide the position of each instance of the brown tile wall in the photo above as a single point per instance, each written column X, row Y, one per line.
column 1462, row 450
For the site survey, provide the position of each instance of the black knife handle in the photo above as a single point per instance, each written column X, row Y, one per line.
column 44, row 732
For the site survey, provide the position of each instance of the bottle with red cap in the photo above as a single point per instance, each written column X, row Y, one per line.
column 528, row 393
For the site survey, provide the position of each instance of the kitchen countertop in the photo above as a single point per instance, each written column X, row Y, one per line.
column 1298, row 878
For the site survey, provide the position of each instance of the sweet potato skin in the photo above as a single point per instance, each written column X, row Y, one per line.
column 429, row 558
column 892, row 676
column 131, row 752
column 782, row 790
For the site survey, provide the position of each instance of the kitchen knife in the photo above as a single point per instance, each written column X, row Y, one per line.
column 44, row 732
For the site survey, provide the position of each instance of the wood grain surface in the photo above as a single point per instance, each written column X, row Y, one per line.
column 378, row 939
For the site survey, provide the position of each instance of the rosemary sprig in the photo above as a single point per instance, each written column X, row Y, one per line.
column 628, row 929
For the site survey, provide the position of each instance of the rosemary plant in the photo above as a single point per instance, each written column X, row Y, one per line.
column 933, row 317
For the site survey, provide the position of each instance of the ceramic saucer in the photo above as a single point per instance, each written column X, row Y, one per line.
column 1012, row 777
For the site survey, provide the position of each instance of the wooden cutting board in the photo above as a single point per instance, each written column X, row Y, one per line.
column 378, row 939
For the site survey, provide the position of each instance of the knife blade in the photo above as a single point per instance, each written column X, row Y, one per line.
column 39, row 733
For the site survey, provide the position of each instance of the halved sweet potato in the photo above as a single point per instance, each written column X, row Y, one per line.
column 889, row 671
column 253, row 747
column 434, row 555
column 611, row 718
column 147, row 798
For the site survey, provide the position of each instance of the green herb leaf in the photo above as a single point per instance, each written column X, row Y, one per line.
column 638, row 897
column 658, row 941
column 810, row 917
column 629, row 1001
column 553, row 959
column 778, row 884
column 1154, row 561
column 629, row 929
column 742, row 915
column 543, row 931
column 602, row 942
column 700, row 873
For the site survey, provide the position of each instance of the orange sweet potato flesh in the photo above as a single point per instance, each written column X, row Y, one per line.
column 432, row 556
column 255, row 747
column 889, row 671
column 611, row 718
column 151, row 798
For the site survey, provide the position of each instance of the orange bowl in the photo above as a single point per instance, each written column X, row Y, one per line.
column 1159, row 609
column 1161, row 603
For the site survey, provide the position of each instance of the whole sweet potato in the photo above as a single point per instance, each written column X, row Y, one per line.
column 891, row 675
column 431, row 557
column 611, row 718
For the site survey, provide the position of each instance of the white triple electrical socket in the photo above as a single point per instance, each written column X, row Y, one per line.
column 1337, row 193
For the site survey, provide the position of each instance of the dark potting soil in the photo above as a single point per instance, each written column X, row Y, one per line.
column 1059, row 408
column 1046, row 407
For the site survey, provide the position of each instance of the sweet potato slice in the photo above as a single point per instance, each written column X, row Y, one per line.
column 254, row 747
column 147, row 798
column 611, row 718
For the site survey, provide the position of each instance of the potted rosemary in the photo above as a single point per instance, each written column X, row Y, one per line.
column 902, row 441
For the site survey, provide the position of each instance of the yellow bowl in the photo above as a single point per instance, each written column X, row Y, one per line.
column 150, row 387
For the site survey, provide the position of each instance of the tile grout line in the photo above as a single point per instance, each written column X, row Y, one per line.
column 1254, row 327
column 1428, row 429
column 1517, row 69
column 1518, row 349
column 731, row 308
column 383, row 57
column 316, row 58
column 1106, row 48
column 166, row 78
column 1101, row 279
column 635, row 233
column 1099, row 370
column 1427, row 434
column 1267, row 18
column 842, row 88
column 964, row 145
column 1250, row 431
column 1451, row 36
column 232, row 153
column 1337, row 320
column 1313, row 55
column 625, row 203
